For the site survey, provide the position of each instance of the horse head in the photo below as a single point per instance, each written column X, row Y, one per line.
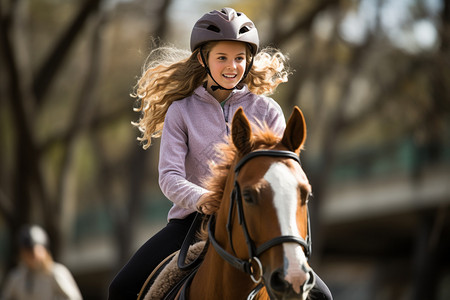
column 271, row 226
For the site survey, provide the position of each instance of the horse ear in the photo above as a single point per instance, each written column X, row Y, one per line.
column 295, row 134
column 241, row 132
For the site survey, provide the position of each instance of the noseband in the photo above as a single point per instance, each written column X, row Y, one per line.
column 248, row 266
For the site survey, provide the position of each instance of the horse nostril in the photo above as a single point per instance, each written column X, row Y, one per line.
column 309, row 284
column 277, row 281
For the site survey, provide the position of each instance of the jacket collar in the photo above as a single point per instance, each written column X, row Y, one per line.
column 235, row 95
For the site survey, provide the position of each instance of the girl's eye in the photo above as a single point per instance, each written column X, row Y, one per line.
column 239, row 58
column 221, row 58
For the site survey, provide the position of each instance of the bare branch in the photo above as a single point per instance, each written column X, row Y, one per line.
column 55, row 59
column 279, row 38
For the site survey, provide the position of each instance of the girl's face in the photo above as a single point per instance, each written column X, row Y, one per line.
column 227, row 62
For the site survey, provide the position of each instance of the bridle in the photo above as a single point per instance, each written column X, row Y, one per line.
column 248, row 266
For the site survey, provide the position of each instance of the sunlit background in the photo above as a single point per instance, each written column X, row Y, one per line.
column 372, row 78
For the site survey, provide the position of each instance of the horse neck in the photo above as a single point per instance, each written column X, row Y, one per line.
column 216, row 276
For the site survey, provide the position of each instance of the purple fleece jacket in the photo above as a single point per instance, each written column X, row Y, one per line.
column 192, row 128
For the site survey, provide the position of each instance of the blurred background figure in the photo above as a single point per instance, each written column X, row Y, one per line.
column 37, row 275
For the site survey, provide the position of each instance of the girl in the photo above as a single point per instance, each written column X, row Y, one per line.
column 194, row 99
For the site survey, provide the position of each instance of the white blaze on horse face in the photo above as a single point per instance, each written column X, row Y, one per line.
column 285, row 189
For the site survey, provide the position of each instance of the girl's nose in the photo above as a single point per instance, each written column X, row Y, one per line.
column 232, row 65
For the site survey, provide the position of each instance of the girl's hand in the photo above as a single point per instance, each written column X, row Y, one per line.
column 207, row 206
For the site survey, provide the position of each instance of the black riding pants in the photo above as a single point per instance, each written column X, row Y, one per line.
column 128, row 282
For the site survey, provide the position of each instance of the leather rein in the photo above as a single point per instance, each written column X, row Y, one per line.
column 248, row 266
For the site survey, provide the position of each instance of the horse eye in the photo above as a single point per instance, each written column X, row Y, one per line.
column 248, row 196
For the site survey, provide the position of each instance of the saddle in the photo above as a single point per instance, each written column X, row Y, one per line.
column 169, row 279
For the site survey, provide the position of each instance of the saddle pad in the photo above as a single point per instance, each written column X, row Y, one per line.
column 171, row 274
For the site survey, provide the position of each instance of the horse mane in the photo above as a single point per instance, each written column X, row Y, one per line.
column 263, row 138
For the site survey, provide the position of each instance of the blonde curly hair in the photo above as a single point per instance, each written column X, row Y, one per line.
column 171, row 74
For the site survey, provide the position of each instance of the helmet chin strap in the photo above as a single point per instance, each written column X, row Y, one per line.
column 218, row 86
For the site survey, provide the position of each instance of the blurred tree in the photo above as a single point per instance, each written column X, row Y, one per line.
column 331, row 73
column 39, row 167
column 23, row 186
column 124, row 215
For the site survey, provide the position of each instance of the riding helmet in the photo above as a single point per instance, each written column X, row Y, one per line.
column 225, row 25
column 30, row 236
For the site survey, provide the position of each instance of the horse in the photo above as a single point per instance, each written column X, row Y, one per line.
column 259, row 239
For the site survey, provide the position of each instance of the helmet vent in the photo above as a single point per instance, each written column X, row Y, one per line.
column 213, row 28
column 244, row 29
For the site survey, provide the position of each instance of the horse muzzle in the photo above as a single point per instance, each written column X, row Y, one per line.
column 282, row 287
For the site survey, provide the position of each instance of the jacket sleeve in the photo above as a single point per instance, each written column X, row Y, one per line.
column 65, row 284
column 172, row 169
